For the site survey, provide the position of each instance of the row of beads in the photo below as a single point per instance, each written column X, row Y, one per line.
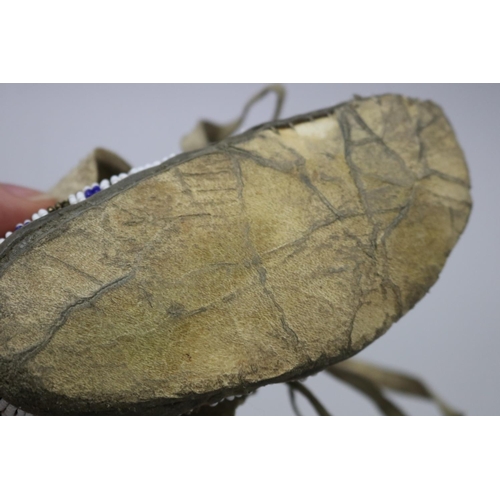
column 8, row 410
column 85, row 193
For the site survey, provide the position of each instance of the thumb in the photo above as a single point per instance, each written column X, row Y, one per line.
column 18, row 204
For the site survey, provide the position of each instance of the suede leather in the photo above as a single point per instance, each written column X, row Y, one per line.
column 264, row 258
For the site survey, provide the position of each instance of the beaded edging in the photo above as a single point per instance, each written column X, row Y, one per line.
column 85, row 193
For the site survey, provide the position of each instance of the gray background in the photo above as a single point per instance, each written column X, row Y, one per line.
column 450, row 339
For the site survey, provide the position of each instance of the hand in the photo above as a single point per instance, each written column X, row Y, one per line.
column 18, row 204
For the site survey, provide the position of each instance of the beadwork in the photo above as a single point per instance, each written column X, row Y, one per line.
column 85, row 193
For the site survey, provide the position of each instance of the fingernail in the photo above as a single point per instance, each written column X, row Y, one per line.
column 23, row 192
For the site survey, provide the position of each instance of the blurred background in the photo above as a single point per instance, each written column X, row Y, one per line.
column 450, row 340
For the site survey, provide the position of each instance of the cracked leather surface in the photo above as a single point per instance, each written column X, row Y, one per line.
column 266, row 257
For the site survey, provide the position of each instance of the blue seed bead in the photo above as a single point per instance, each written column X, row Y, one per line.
column 96, row 189
column 19, row 226
column 88, row 193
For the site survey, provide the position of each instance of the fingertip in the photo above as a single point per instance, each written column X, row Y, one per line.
column 18, row 203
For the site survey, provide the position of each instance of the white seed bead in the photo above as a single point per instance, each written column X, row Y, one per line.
column 2, row 240
column 35, row 216
column 105, row 184
column 9, row 411
column 80, row 196
column 8, row 233
column 122, row 176
column 72, row 199
column 42, row 212
column 114, row 179
column 27, row 221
